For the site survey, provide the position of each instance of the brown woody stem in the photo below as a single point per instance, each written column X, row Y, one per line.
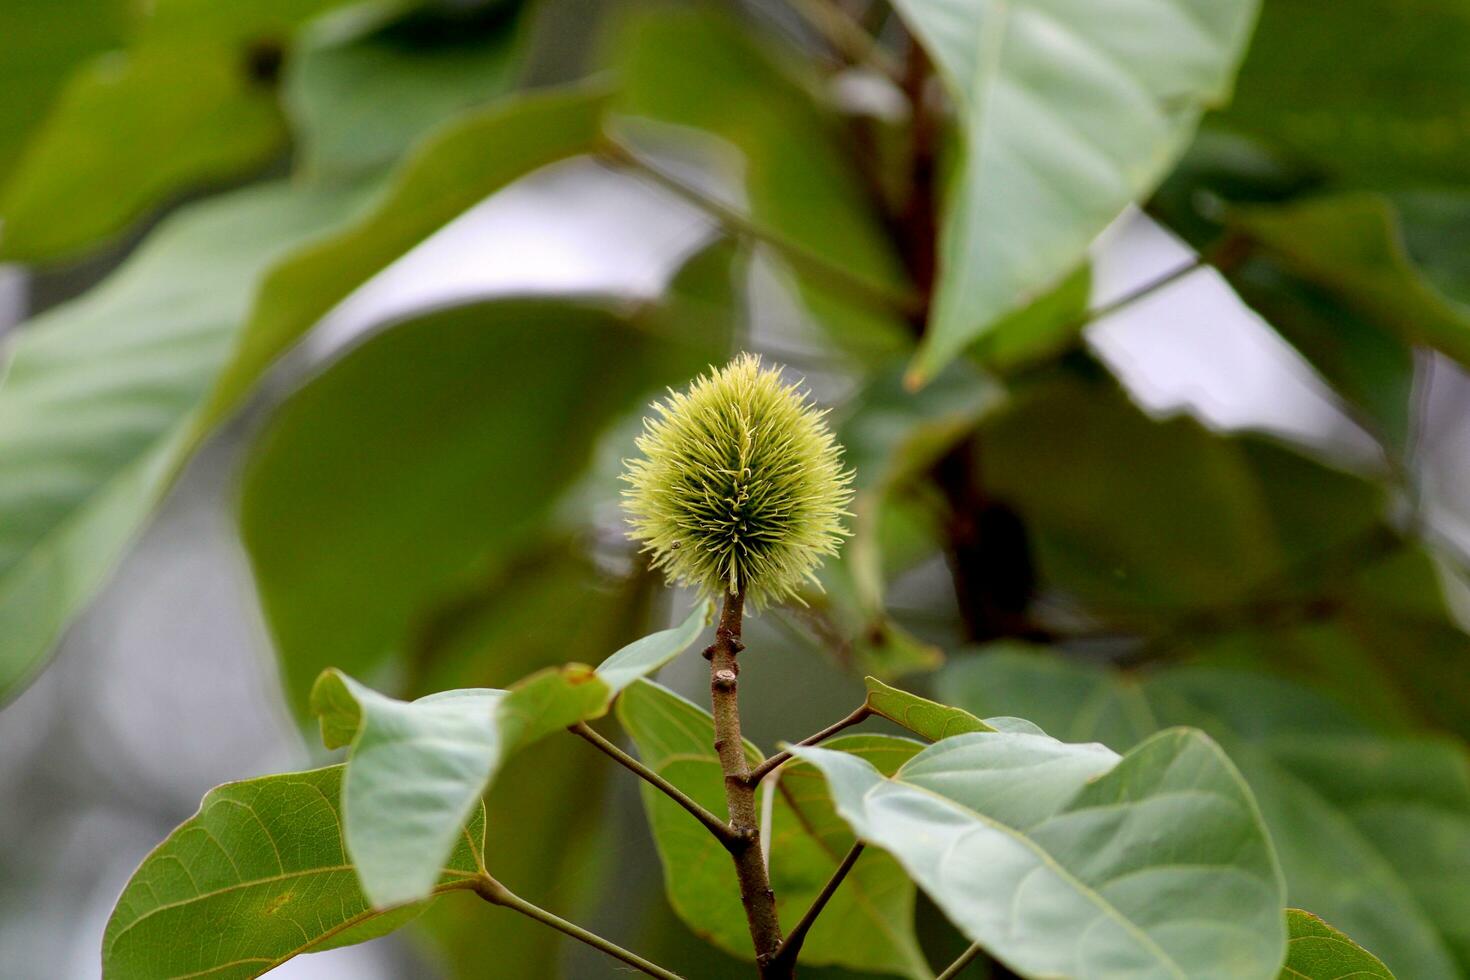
column 750, row 865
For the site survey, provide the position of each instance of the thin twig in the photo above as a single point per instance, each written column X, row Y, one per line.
column 495, row 893
column 714, row 824
column 791, row 947
column 801, row 259
column 765, row 768
column 1145, row 290
column 966, row 958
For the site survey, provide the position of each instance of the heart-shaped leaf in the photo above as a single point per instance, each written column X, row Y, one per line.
column 1069, row 110
column 1372, row 831
column 1067, row 860
column 258, row 875
column 418, row 768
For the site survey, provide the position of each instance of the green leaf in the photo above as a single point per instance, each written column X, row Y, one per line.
column 1374, row 304
column 1316, row 951
column 357, row 102
column 350, row 548
column 417, row 769
column 700, row 70
column 1134, row 518
column 130, row 131
column 921, row 716
column 1379, row 107
column 414, row 774
column 190, row 104
column 1040, row 330
column 891, row 439
column 642, row 657
column 454, row 169
column 868, row 924
column 1372, row 831
column 547, row 607
column 106, row 395
column 257, row 876
column 45, row 41
column 1436, row 226
column 1066, row 860
column 1069, row 111
column 675, row 738
column 101, row 401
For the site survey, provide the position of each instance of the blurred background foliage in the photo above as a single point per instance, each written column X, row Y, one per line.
column 280, row 336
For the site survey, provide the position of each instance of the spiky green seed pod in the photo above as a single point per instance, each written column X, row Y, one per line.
column 741, row 485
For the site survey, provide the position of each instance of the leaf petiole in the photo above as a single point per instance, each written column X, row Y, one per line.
column 714, row 824
column 770, row 765
column 495, row 893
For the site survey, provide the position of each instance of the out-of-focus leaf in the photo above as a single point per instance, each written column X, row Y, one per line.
column 695, row 69
column 190, row 103
column 1436, row 227
column 106, row 395
column 358, row 102
column 257, row 876
column 1379, row 107
column 1135, row 517
column 174, row 21
column 891, row 439
column 1066, row 860
column 675, row 738
column 453, row 170
column 1068, row 111
column 418, row 768
column 350, row 548
column 1373, row 832
column 44, row 41
column 928, row 719
column 1040, row 330
column 1336, row 281
column 1350, row 245
column 893, row 435
column 1316, row 951
column 102, row 397
column 131, row 130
